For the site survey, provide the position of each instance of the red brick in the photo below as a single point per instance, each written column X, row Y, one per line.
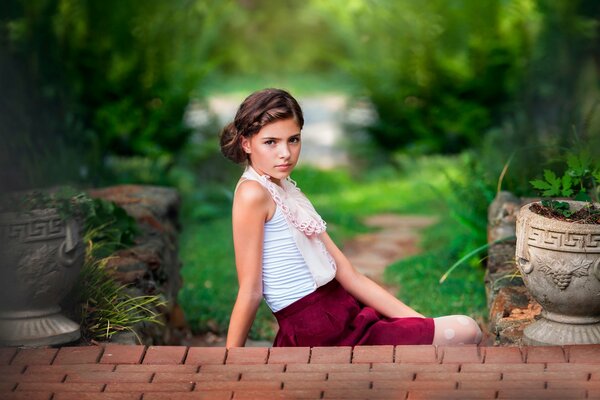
column 574, row 384
column 544, row 354
column 241, row 368
column 289, row 355
column 47, row 377
column 502, row 368
column 179, row 368
column 7, row 354
column 595, row 376
column 247, row 355
column 546, row 376
column 555, row 367
column 460, row 376
column 149, row 387
column 241, row 385
column 369, row 354
column 414, row 385
column 7, row 387
column 12, row 369
column 43, row 369
column 327, row 368
column 363, row 394
column 460, row 354
column 502, row 355
column 541, row 394
column 207, row 395
column 593, row 394
column 26, row 396
column 206, row 355
column 195, row 377
column 415, row 367
column 452, row 394
column 371, row 376
column 584, row 354
column 122, row 354
column 78, row 355
column 165, row 355
column 330, row 355
column 108, row 377
column 416, row 354
column 344, row 384
column 475, row 384
column 279, row 394
column 284, row 376
column 59, row 387
column 97, row 396
column 34, row 357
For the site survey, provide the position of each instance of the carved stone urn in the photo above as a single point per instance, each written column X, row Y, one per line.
column 560, row 265
column 41, row 255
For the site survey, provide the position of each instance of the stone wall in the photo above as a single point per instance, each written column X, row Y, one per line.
column 511, row 308
column 152, row 265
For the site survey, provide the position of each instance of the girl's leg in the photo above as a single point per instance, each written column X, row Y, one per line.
column 456, row 329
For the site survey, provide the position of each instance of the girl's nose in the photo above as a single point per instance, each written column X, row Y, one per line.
column 284, row 151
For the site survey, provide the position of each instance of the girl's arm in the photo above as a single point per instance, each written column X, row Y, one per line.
column 250, row 211
column 364, row 289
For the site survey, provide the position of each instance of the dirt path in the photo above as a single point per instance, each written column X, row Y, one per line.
column 397, row 237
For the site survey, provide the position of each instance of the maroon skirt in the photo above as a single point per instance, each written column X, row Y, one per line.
column 330, row 316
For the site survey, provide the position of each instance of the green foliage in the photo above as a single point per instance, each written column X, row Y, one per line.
column 105, row 307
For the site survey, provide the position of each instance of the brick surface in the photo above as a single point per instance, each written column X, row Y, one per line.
column 584, row 354
column 573, row 384
column 7, row 354
column 330, row 355
column 247, row 355
column 12, row 369
column 179, row 368
column 460, row 354
column 475, row 384
column 415, row 385
column 545, row 354
column 47, row 377
column 7, row 387
column 547, row 376
column 363, row 394
column 370, row 354
column 97, row 396
column 502, row 355
column 195, row 377
column 26, row 396
column 415, row 367
column 241, row 385
column 461, row 376
column 343, row 384
column 241, row 368
column 289, row 355
column 208, row 395
column 276, row 395
column 59, row 387
column 206, row 355
column 78, row 355
column 452, row 394
column 164, row 355
column 372, row 375
column 42, row 369
column 416, row 354
column 149, row 387
column 541, row 394
column 327, row 367
column 502, row 367
column 34, row 357
column 107, row 377
column 120, row 354
column 284, row 376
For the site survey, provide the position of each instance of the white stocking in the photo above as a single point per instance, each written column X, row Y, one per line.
column 456, row 329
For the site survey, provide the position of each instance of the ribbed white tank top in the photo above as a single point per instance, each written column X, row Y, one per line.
column 286, row 277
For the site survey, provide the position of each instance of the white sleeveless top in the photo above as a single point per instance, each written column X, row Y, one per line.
column 286, row 277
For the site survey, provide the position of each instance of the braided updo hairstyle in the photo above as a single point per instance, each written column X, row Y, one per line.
column 257, row 110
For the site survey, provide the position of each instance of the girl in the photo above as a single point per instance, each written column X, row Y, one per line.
column 284, row 254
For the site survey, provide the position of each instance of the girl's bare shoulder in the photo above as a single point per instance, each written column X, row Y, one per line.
column 251, row 193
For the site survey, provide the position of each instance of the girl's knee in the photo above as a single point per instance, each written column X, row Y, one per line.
column 456, row 329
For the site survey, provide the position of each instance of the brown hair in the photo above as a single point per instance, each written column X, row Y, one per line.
column 257, row 110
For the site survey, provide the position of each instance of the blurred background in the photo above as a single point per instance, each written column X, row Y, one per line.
column 411, row 108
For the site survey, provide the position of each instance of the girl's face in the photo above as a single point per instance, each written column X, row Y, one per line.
column 275, row 149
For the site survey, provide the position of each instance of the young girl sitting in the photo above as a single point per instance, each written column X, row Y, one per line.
column 284, row 254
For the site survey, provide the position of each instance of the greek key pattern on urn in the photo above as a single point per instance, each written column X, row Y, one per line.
column 564, row 241
column 33, row 230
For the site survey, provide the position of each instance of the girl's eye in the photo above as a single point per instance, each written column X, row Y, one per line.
column 295, row 139
column 269, row 142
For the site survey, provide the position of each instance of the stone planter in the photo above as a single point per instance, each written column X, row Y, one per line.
column 560, row 265
column 40, row 258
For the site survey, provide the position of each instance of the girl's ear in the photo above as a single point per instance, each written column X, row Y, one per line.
column 245, row 144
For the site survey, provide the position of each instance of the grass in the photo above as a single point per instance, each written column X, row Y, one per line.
column 427, row 186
